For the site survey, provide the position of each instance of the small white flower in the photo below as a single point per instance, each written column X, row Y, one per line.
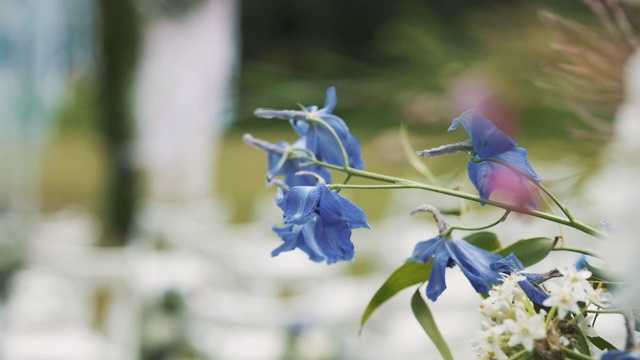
column 575, row 288
column 525, row 329
column 488, row 343
column 585, row 326
column 577, row 277
column 564, row 298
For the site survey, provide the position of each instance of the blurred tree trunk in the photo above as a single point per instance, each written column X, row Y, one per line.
column 119, row 37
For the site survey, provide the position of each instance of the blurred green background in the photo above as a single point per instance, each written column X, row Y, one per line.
column 392, row 62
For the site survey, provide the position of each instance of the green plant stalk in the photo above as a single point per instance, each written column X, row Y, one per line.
column 576, row 355
column 400, row 183
column 577, row 250
column 537, row 184
column 550, row 316
column 502, row 219
column 343, row 151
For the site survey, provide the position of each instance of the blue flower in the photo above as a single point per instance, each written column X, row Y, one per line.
column 489, row 143
column 318, row 221
column 318, row 138
column 280, row 164
column 511, row 264
column 620, row 355
column 446, row 252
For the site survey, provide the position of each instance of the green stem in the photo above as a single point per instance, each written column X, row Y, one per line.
column 408, row 184
column 400, row 183
column 518, row 354
column 576, row 355
column 550, row 316
column 609, row 311
column 343, row 151
column 535, row 182
column 579, row 251
column 503, row 218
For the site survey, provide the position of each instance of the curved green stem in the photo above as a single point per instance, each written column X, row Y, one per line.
column 503, row 218
column 575, row 355
column 579, row 251
column 607, row 311
column 518, row 354
column 550, row 316
column 535, row 182
column 400, row 183
column 343, row 151
column 408, row 184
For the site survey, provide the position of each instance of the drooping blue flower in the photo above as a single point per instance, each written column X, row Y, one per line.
column 511, row 264
column 446, row 252
column 489, row 143
column 318, row 221
column 318, row 138
column 620, row 355
column 282, row 165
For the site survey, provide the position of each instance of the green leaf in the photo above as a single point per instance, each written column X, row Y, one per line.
column 410, row 273
column 601, row 343
column 598, row 274
column 484, row 240
column 529, row 251
column 424, row 317
column 412, row 158
column 582, row 345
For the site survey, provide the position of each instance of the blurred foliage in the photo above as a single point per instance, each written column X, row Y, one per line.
column 392, row 62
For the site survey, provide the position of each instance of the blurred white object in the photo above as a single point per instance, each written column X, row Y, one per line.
column 46, row 318
column 41, row 42
column 616, row 192
column 182, row 89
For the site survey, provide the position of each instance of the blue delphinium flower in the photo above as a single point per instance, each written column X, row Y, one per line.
column 318, row 138
column 489, row 143
column 511, row 264
column 447, row 252
column 282, row 161
column 318, row 221
column 280, row 164
column 620, row 355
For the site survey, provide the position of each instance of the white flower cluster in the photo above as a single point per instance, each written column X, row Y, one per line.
column 512, row 321
column 574, row 289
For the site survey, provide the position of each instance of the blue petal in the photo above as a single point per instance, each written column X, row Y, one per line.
column 507, row 265
column 334, row 209
column 323, row 143
column 277, row 166
column 488, row 141
column 475, row 263
column 437, row 283
column 299, row 203
column 518, row 159
column 331, row 101
column 334, row 240
column 424, row 250
column 489, row 176
column 536, row 295
column 301, row 237
column 354, row 152
column 620, row 355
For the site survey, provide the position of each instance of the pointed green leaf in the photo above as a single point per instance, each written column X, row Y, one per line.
column 600, row 275
column 424, row 317
column 410, row 273
column 529, row 251
column 601, row 343
column 412, row 158
column 484, row 240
